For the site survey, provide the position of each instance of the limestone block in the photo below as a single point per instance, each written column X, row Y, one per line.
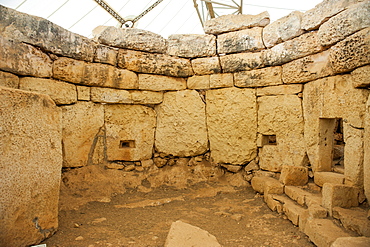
column 106, row 54
column 229, row 23
column 31, row 162
column 281, row 116
column 293, row 212
column 351, row 241
column 67, row 69
column 313, row 18
column 308, row 68
column 321, row 178
column 283, row 29
column 352, row 52
column 258, row 184
column 294, row 175
column 81, row 124
column 239, row 41
column 103, row 75
column 267, row 185
column 221, row 80
column 9, row 80
column 45, row 34
column 295, row 193
column 61, row 92
column 198, row 82
column 130, row 38
column 146, row 97
column 273, row 204
column 160, row 83
column 316, row 211
column 280, row 90
column 241, row 62
column 191, row 45
column 181, row 128
column 83, row 93
column 151, row 63
column 23, row 59
column 345, row 23
column 339, row 195
column 353, row 219
column 360, row 77
column 231, row 129
column 206, row 65
column 182, row 234
column 110, row 95
column 259, row 78
column 367, row 153
column 301, row 46
column 130, row 132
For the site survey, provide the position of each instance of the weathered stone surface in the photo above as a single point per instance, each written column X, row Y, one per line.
column 280, row 90
column 152, row 63
column 130, row 38
column 130, row 132
column 241, row 62
column 181, row 128
column 308, row 68
column 23, row 59
column 229, row 23
column 160, row 83
column 295, row 193
column 351, row 241
column 31, row 162
column 106, row 54
column 367, row 152
column 313, row 18
column 198, row 82
column 273, row 204
column 267, row 185
column 146, row 97
column 81, row 125
column 110, row 95
column 360, row 77
column 191, row 45
column 294, row 175
column 339, row 195
column 61, row 92
column 221, row 80
column 325, row 100
column 345, row 23
column 353, row 219
column 239, row 41
column 328, row 177
column 206, row 65
column 281, row 116
column 231, row 129
column 182, row 234
column 9, row 80
column 67, row 69
column 83, row 93
column 352, row 52
column 304, row 45
column 293, row 212
column 259, row 78
column 283, row 29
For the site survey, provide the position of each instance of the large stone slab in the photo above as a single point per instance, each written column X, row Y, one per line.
column 160, row 83
column 129, row 132
column 130, row 38
column 283, row 29
column 345, row 23
column 81, row 125
column 23, row 59
column 181, row 127
column 232, row 125
column 151, row 63
column 191, row 45
column 351, row 241
column 280, row 90
column 345, row 57
column 110, row 95
column 68, row 69
column 61, row 92
column 239, row 41
column 313, row 18
column 221, row 80
column 367, row 151
column 45, row 34
column 259, row 78
column 106, row 54
column 339, row 195
column 241, row 62
column 281, row 116
column 229, row 23
column 360, row 78
column 9, row 80
column 206, row 65
column 198, row 82
column 30, row 170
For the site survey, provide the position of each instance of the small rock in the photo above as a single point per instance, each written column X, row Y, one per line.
column 130, row 168
column 155, row 238
column 98, row 220
column 237, row 217
column 114, row 166
column 76, row 225
column 79, row 238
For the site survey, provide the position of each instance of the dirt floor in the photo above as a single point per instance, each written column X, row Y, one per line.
column 235, row 216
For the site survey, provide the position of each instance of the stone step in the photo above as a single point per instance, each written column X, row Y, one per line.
column 354, row 219
column 328, row 177
column 302, row 196
column 351, row 242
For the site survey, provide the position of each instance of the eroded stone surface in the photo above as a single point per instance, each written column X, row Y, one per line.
column 206, row 65
column 198, row 82
column 106, row 54
column 181, row 119
column 280, row 90
column 259, row 78
column 241, row 62
column 9, row 80
column 360, row 77
column 221, row 80
column 160, row 83
column 232, row 129
column 191, row 45
column 367, row 152
column 110, row 95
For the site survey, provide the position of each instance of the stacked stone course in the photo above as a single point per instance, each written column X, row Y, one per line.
column 245, row 93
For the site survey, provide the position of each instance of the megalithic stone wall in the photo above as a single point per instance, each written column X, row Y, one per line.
column 246, row 92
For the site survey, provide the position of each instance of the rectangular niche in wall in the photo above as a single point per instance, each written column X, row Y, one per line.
column 268, row 140
column 127, row 144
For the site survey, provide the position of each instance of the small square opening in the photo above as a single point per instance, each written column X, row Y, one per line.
column 269, row 140
column 127, row 144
